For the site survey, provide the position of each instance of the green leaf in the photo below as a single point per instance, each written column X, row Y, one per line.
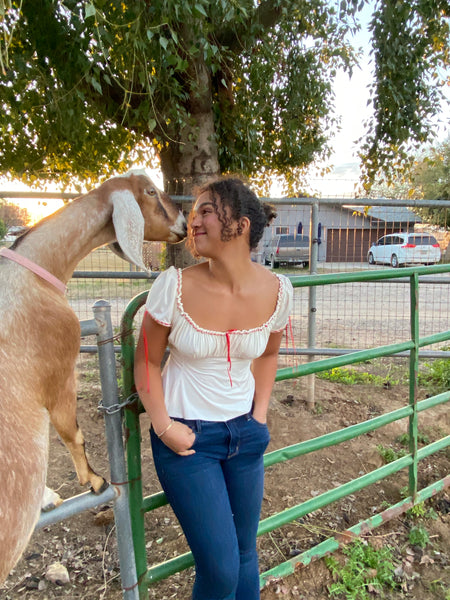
column 89, row 11
column 200, row 10
column 96, row 85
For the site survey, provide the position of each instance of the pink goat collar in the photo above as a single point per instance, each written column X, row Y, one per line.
column 31, row 266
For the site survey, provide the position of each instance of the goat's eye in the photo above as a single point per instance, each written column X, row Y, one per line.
column 151, row 192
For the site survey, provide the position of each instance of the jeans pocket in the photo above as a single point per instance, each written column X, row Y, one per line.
column 259, row 434
column 252, row 418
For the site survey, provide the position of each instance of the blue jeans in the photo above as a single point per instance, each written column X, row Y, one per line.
column 216, row 494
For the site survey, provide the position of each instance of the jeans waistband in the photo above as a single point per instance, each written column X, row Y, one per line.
column 196, row 424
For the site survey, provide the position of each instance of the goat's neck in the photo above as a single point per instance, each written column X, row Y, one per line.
column 60, row 241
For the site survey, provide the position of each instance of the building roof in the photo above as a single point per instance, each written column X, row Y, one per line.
column 389, row 214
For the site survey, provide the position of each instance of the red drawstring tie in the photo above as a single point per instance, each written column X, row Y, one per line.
column 290, row 331
column 227, row 335
column 146, row 358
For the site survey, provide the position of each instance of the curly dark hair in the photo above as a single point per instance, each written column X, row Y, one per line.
column 232, row 192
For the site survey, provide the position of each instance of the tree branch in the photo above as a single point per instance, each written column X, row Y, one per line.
column 263, row 17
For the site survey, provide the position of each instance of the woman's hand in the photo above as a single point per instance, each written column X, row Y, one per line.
column 259, row 415
column 179, row 438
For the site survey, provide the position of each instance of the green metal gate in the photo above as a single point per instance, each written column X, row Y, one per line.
column 139, row 504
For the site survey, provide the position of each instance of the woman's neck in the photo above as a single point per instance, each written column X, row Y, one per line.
column 232, row 273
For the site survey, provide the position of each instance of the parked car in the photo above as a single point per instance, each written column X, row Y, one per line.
column 287, row 249
column 399, row 249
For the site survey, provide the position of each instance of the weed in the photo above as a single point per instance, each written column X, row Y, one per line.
column 417, row 511
column 418, row 536
column 90, row 376
column 436, row 376
column 366, row 571
column 422, row 438
column 404, row 492
column 352, row 377
column 432, row 514
column 318, row 408
column 389, row 454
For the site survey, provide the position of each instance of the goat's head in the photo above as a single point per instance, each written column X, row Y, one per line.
column 142, row 212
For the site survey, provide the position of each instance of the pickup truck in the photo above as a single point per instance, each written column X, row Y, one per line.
column 287, row 249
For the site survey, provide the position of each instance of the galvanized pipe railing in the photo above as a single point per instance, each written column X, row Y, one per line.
column 101, row 326
column 140, row 505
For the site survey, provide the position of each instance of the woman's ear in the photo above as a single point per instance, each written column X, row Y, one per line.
column 244, row 224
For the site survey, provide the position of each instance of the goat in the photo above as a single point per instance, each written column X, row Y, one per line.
column 40, row 339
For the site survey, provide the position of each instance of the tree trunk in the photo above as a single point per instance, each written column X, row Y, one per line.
column 193, row 160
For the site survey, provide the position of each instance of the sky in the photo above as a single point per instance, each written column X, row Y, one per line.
column 351, row 106
column 351, row 96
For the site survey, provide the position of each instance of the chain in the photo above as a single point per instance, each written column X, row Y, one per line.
column 114, row 408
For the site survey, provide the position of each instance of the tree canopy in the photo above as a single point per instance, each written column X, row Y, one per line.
column 427, row 179
column 431, row 180
column 212, row 87
column 411, row 50
column 12, row 215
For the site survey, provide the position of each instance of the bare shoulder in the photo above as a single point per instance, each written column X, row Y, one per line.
column 196, row 280
column 264, row 279
column 195, row 273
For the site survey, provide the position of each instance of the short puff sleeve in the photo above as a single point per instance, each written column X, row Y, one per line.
column 162, row 297
column 285, row 304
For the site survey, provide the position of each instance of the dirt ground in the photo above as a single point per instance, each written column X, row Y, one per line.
column 86, row 544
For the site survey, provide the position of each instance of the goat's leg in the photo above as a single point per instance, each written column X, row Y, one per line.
column 50, row 499
column 63, row 417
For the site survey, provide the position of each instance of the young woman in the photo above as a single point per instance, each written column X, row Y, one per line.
column 223, row 320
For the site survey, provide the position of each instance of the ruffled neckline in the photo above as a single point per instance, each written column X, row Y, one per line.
column 197, row 327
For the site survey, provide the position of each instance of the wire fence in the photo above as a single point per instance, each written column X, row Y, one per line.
column 341, row 231
column 351, row 316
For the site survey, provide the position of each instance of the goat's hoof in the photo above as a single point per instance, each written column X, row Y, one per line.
column 50, row 500
column 101, row 489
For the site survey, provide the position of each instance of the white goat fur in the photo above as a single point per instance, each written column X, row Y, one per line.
column 40, row 339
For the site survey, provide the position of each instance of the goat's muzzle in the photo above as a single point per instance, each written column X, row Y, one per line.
column 178, row 230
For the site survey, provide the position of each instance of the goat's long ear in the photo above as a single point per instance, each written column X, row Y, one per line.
column 129, row 226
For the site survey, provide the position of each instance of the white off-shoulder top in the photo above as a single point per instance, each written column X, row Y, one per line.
column 208, row 374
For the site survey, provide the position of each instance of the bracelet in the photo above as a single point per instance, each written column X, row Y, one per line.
column 172, row 422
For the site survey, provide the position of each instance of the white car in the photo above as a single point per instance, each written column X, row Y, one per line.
column 399, row 249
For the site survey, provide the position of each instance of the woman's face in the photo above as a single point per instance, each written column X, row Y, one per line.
column 205, row 229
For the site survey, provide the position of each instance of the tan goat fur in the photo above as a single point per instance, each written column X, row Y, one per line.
column 40, row 339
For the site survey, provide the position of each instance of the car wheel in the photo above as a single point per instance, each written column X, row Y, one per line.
column 370, row 259
column 394, row 261
column 305, row 264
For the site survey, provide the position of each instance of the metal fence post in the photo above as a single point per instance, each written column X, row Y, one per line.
column 413, row 376
column 114, row 438
column 133, row 442
column 312, row 299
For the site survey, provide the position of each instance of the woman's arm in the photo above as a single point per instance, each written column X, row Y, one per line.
column 147, row 377
column 264, row 369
